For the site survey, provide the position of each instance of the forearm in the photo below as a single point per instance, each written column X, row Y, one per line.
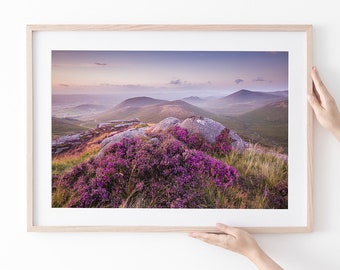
column 263, row 261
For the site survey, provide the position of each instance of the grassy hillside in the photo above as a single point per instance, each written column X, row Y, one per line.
column 154, row 113
column 267, row 125
column 241, row 102
column 180, row 170
column 64, row 126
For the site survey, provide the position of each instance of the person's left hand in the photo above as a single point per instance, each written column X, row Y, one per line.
column 233, row 239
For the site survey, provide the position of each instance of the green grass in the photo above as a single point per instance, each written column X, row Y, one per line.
column 257, row 162
column 259, row 171
column 267, row 126
column 64, row 164
column 65, row 126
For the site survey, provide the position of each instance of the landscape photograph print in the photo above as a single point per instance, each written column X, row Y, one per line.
column 169, row 129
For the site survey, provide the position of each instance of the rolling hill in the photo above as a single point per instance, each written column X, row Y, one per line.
column 242, row 101
column 84, row 110
column 267, row 125
column 138, row 102
column 63, row 126
column 152, row 111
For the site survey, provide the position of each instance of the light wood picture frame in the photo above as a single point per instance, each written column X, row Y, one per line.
column 44, row 42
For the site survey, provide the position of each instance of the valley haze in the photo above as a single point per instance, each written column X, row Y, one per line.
column 258, row 116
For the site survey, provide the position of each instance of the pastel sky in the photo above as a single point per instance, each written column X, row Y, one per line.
column 178, row 73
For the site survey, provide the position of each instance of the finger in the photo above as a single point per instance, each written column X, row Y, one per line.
column 209, row 238
column 221, row 240
column 314, row 102
column 320, row 88
column 315, row 93
column 227, row 229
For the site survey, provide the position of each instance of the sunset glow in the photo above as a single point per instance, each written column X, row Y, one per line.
column 182, row 73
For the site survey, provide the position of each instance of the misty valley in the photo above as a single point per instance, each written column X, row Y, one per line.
column 259, row 117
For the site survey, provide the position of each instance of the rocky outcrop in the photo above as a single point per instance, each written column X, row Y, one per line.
column 165, row 124
column 128, row 134
column 118, row 123
column 208, row 128
column 67, row 142
column 117, row 130
column 238, row 144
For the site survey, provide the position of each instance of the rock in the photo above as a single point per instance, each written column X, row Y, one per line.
column 208, row 128
column 128, row 134
column 165, row 124
column 118, row 123
column 238, row 144
column 67, row 142
column 155, row 141
column 60, row 150
column 65, row 139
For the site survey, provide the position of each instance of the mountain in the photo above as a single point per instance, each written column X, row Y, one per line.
column 279, row 93
column 63, row 126
column 241, row 102
column 82, row 111
column 152, row 110
column 245, row 96
column 276, row 112
column 77, row 99
column 267, row 125
column 90, row 107
column 178, row 108
column 86, row 109
column 194, row 100
column 138, row 102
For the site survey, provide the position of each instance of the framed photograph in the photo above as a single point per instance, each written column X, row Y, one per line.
column 169, row 127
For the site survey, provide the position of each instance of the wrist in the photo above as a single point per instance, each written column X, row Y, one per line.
column 257, row 255
column 336, row 128
column 263, row 261
column 336, row 133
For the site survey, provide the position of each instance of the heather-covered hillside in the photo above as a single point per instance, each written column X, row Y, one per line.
column 191, row 163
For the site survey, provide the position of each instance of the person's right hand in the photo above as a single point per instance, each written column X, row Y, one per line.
column 324, row 105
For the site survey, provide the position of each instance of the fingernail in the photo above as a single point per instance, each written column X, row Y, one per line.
column 219, row 225
column 192, row 234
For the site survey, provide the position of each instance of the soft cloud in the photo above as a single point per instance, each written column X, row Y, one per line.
column 238, row 81
column 100, row 64
column 176, row 82
column 259, row 79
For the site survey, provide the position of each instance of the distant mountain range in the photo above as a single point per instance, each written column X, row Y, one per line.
column 244, row 101
column 258, row 116
column 245, row 96
column 152, row 110
column 138, row 102
column 79, row 111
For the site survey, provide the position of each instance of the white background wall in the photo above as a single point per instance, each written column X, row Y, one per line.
column 21, row 250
